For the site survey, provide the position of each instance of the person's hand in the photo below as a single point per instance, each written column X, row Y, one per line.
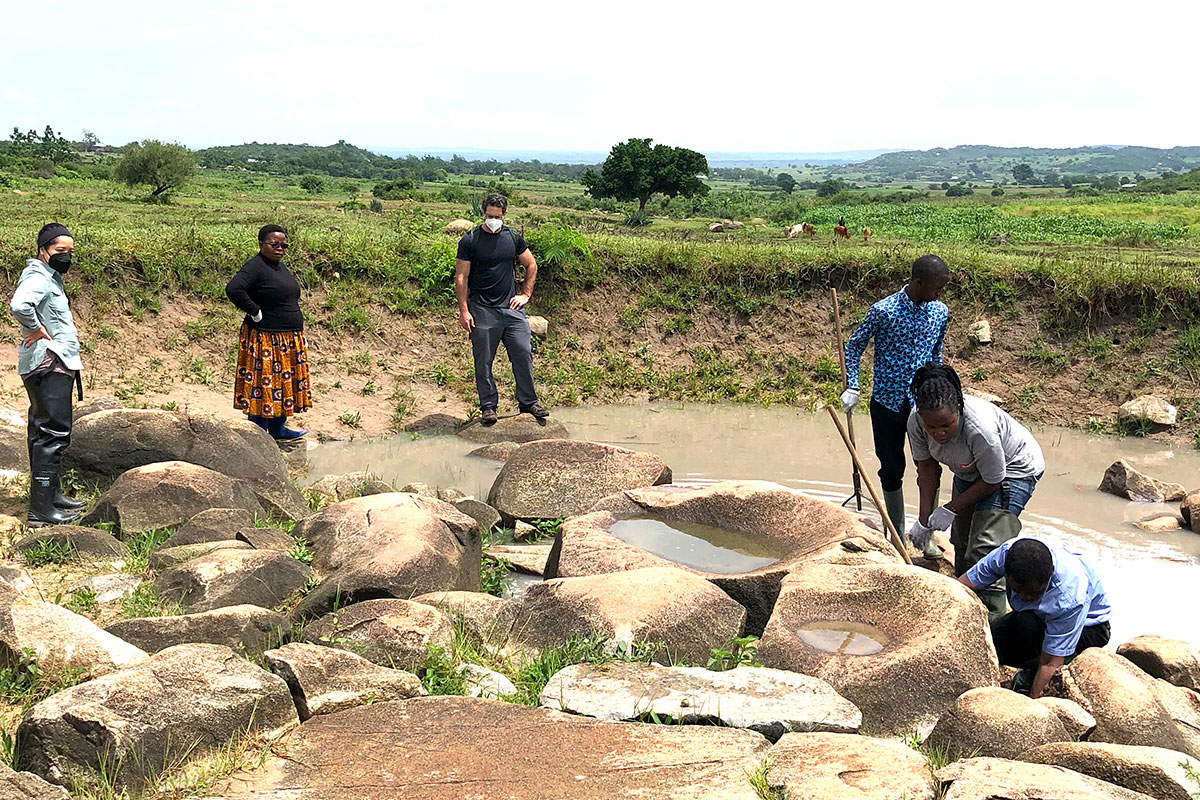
column 518, row 302
column 37, row 335
column 941, row 519
column 920, row 535
column 466, row 320
column 849, row 400
column 256, row 316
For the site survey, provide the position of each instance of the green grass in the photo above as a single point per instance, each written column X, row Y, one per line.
column 762, row 787
column 25, row 682
column 141, row 546
column 145, row 601
column 46, row 551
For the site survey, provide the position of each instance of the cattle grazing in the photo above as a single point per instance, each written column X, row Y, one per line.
column 841, row 232
column 866, row 234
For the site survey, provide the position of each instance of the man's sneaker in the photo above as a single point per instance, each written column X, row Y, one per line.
column 537, row 410
column 488, row 417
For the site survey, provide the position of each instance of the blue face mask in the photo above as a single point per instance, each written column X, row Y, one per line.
column 60, row 262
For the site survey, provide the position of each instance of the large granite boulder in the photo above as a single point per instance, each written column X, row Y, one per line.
column 448, row 748
column 770, row 701
column 487, row 619
column 1078, row 723
column 388, row 545
column 14, row 441
column 89, row 543
column 1131, row 707
column 679, row 614
column 519, row 428
column 231, row 577
column 179, row 704
column 245, row 628
column 166, row 495
column 108, row 443
column 840, row 766
column 900, row 643
column 560, row 478
column 758, row 532
column 392, row 633
column 995, row 722
column 213, row 525
column 324, row 680
column 1123, row 480
column 93, row 405
column 1000, row 779
column 1172, row 660
column 27, row 786
column 1160, row 773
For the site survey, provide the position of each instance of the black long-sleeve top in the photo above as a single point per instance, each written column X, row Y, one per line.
column 262, row 284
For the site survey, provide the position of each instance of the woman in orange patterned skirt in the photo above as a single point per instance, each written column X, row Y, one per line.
column 272, row 368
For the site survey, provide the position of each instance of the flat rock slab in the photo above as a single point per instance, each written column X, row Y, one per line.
column 451, row 748
column 246, row 628
column 324, row 680
column 391, row 633
column 529, row 559
column 1154, row 771
column 91, row 543
column 108, row 588
column 839, row 766
column 167, row 557
column 520, row 428
column 770, row 701
column 999, row 779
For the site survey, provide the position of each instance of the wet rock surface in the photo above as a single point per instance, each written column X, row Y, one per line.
column 1123, row 480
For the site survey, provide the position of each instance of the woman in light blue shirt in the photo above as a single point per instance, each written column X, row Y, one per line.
column 49, row 365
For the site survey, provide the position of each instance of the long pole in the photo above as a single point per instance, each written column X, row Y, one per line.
column 837, row 318
column 895, row 535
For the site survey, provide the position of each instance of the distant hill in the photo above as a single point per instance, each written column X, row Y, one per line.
column 981, row 162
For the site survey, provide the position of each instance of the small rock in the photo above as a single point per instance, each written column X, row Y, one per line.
column 994, row 399
column 1150, row 408
column 393, row 633
column 483, row 514
column 500, row 451
column 519, row 428
column 336, row 488
column 1189, row 509
column 27, row 786
column 1160, row 523
column 90, row 543
column 991, row 721
column 246, row 628
column 167, row 557
column 108, row 588
column 716, row 227
column 450, row 495
column 483, row 682
column 1123, row 480
column 488, row 619
column 14, row 577
column 105, row 402
column 458, row 226
column 529, row 558
column 539, row 326
column 324, row 680
column 980, row 332
column 524, row 532
column 417, row 487
column 11, row 528
column 434, row 424
column 732, row 225
column 230, row 577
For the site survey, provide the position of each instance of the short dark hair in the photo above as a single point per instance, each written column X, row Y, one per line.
column 267, row 230
column 1029, row 563
column 496, row 200
column 50, row 232
column 938, row 386
column 927, row 266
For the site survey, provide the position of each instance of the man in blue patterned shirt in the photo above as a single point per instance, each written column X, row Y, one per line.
column 908, row 328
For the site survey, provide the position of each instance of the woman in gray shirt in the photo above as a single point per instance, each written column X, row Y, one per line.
column 996, row 464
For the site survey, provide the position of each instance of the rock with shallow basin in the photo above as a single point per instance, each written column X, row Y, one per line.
column 743, row 536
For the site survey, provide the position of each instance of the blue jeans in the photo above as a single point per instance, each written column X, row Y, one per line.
column 1012, row 495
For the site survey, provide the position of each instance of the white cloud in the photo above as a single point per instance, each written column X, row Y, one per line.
column 14, row 95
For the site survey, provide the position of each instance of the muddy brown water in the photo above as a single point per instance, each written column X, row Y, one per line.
column 1147, row 575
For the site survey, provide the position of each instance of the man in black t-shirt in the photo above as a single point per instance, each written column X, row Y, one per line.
column 492, row 311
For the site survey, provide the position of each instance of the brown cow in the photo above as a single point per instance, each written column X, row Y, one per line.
column 809, row 230
column 841, row 232
column 866, row 234
column 804, row 228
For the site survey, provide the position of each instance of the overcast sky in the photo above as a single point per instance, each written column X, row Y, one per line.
column 749, row 76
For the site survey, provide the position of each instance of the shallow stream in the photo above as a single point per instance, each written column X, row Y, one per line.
column 1147, row 575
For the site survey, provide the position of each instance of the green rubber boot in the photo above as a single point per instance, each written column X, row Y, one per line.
column 894, row 501
column 989, row 530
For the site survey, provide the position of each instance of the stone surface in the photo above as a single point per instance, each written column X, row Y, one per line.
column 267, row 539
column 167, row 557
column 842, row 766
column 27, row 786
column 487, row 683
column 108, row 443
column 500, row 451
column 538, row 326
column 92, row 405
column 770, row 701
column 488, row 619
column 324, row 680
column 520, row 428
column 14, row 442
column 484, row 515
column 1150, row 408
column 58, row 637
column 336, row 488
column 527, row 558
column 1172, row 660
column 1160, row 523
column 716, row 227
column 450, row 748
column 1123, row 480
column 230, row 577
column 782, row 521
column 995, row 722
column 678, row 613
column 1152, row 771
column 166, row 495
column 178, row 704
column 14, row 577
column 1131, row 707
column 247, row 629
column 1074, row 717
column 435, row 424
column 1000, row 779
column 936, row 643
column 107, row 588
column 213, row 525
column 458, row 226
column 995, row 399
column 560, row 478
column 980, row 332
column 391, row 633
column 1189, row 509
column 90, row 543
column 388, row 545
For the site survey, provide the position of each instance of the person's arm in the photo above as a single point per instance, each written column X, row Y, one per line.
column 238, row 292
column 1048, row 665
column 987, row 570
column 24, row 305
column 462, row 271
column 856, row 345
column 929, row 478
column 527, row 261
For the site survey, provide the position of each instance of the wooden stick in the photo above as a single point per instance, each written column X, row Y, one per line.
column 837, row 317
column 897, row 542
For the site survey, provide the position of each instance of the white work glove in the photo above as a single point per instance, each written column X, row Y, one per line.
column 849, row 400
column 920, row 535
column 941, row 519
column 256, row 317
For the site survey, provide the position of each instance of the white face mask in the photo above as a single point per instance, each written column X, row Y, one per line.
column 493, row 224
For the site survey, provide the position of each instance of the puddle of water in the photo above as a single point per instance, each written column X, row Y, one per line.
column 708, row 443
column 845, row 638
column 700, row 547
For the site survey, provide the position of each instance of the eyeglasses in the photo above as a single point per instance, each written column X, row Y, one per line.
column 277, row 245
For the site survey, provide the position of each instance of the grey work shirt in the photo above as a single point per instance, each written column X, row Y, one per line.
column 988, row 444
column 41, row 302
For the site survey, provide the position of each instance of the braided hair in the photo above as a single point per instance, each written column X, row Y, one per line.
column 938, row 386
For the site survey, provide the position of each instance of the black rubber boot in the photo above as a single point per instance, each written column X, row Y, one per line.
column 67, row 503
column 42, row 512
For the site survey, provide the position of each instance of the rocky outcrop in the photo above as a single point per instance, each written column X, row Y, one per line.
column 1123, row 480
column 432, row 748
column 1172, row 660
column 1152, row 409
column 995, row 778
column 876, row 633
column 995, row 722
column 676, row 613
column 213, row 525
column 1189, row 509
column 336, row 488
column 324, row 680
column 388, row 545
column 770, row 701
column 231, row 577
column 106, row 444
column 89, row 543
column 247, row 629
column 520, row 428
column 1152, row 771
column 391, row 633
column 166, row 495
column 840, row 766
column 178, row 704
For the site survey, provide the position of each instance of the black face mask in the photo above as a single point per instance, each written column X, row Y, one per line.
column 60, row 262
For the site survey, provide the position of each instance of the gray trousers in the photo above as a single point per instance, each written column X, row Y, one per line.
column 493, row 326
